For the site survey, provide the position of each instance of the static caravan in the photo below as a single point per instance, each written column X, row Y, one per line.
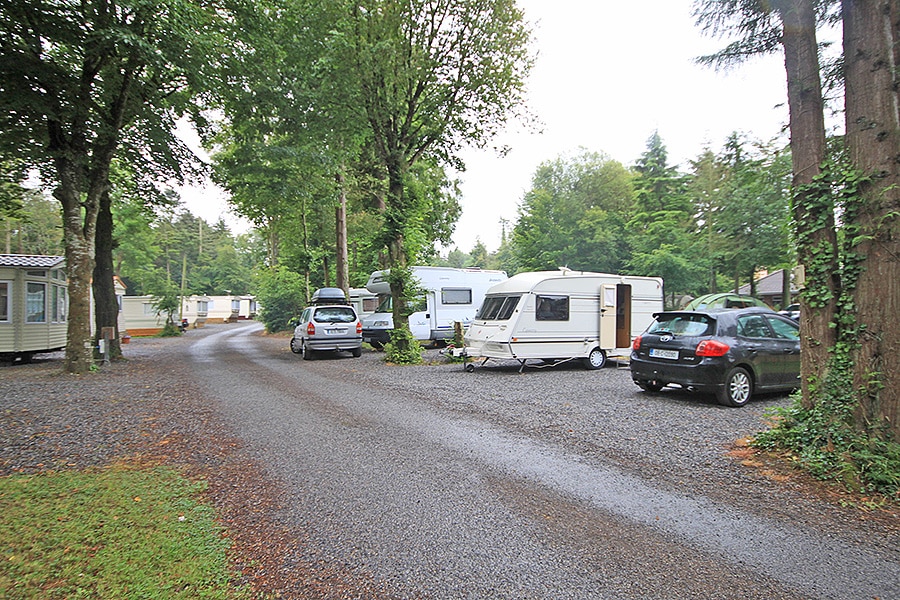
column 223, row 309
column 34, row 304
column 140, row 317
column 195, row 309
column 248, row 308
column 450, row 296
column 563, row 315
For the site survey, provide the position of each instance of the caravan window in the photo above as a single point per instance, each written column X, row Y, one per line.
column 4, row 300
column 552, row 308
column 456, row 296
column 498, row 308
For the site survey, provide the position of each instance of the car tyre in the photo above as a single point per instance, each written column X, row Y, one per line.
column 295, row 347
column 357, row 352
column 737, row 389
column 595, row 360
column 307, row 353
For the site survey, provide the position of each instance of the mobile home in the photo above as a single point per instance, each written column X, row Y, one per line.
column 140, row 317
column 450, row 296
column 223, row 309
column 34, row 305
column 563, row 315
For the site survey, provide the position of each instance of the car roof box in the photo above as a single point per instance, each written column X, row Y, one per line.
column 329, row 295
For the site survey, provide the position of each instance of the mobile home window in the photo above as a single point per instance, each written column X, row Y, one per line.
column 36, row 303
column 456, row 296
column 59, row 304
column 4, row 301
column 552, row 308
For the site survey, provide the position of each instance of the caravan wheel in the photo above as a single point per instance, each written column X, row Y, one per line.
column 595, row 360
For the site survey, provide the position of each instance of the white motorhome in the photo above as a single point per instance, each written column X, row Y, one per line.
column 563, row 315
column 450, row 296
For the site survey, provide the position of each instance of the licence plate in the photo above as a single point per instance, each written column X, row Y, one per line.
column 341, row 331
column 667, row 354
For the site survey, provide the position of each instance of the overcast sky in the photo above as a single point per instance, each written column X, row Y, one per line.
column 608, row 74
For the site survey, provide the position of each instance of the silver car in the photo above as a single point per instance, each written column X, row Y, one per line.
column 329, row 327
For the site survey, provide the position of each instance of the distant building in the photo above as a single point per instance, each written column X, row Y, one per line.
column 769, row 289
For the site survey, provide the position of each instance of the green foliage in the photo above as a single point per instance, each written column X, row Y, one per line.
column 167, row 301
column 12, row 193
column 34, row 226
column 281, row 294
column 403, row 349
column 111, row 533
column 825, row 441
column 824, row 432
column 575, row 215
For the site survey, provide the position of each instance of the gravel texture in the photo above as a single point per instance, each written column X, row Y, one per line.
column 157, row 407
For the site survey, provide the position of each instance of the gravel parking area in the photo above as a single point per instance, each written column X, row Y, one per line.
column 148, row 409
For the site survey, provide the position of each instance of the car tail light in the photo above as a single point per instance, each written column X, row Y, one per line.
column 310, row 329
column 358, row 328
column 712, row 348
column 636, row 344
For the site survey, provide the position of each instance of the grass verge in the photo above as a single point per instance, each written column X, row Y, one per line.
column 117, row 532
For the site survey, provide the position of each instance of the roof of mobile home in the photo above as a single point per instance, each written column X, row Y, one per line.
column 526, row 282
column 30, row 260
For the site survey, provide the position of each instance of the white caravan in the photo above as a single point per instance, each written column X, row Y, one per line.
column 563, row 315
column 450, row 296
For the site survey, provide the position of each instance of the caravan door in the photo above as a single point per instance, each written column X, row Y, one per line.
column 607, row 316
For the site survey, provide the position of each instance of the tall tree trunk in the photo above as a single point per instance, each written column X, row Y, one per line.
column 341, row 267
column 813, row 211
column 106, row 305
column 397, row 259
column 79, row 222
column 871, row 59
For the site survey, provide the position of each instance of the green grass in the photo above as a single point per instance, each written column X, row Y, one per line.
column 111, row 533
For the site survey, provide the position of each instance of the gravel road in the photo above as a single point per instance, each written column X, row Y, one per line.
column 349, row 478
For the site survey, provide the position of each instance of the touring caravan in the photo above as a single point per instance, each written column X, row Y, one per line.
column 450, row 295
column 363, row 301
column 563, row 315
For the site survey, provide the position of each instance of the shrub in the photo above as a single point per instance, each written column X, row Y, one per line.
column 281, row 295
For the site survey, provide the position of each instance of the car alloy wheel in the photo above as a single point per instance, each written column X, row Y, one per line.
column 738, row 388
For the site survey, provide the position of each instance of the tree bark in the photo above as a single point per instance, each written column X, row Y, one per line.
column 813, row 211
column 79, row 221
column 106, row 305
column 871, row 59
column 341, row 266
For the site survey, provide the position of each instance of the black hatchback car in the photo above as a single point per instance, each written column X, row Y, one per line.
column 731, row 353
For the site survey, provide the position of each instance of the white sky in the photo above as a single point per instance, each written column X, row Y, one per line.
column 608, row 74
